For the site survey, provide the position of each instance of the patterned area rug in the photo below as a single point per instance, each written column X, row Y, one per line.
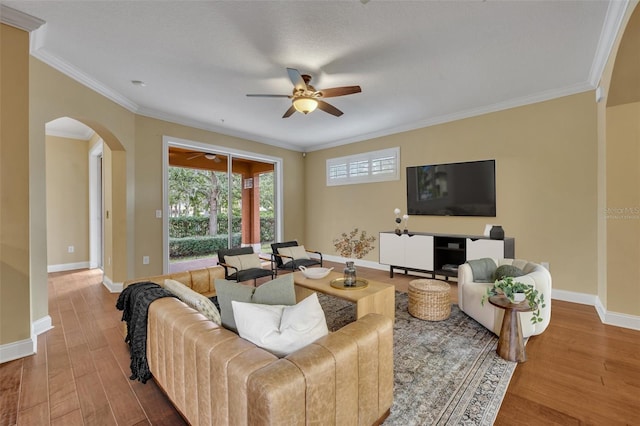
column 446, row 372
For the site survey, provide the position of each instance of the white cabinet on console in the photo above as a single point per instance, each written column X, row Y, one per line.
column 406, row 251
column 479, row 248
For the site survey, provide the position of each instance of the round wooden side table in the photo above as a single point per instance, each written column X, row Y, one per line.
column 510, row 342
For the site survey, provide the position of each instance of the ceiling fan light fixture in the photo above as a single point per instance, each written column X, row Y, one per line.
column 305, row 104
column 210, row 156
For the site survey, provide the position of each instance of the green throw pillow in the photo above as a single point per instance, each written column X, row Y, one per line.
column 280, row 291
column 483, row 270
column 507, row 271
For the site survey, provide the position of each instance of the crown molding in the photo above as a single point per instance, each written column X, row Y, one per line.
column 610, row 29
column 18, row 19
column 69, row 70
column 171, row 118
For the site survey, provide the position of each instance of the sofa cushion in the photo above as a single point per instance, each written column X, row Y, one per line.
column 507, row 271
column 281, row 329
column 243, row 262
column 280, row 291
column 295, row 252
column 194, row 299
column 483, row 270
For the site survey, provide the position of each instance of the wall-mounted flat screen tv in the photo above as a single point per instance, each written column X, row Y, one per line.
column 454, row 189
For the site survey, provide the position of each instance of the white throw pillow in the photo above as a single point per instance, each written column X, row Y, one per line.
column 243, row 261
column 194, row 299
column 296, row 252
column 281, row 329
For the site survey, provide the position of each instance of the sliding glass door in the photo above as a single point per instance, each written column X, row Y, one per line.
column 218, row 199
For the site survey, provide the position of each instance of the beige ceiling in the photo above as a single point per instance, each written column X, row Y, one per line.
column 418, row 62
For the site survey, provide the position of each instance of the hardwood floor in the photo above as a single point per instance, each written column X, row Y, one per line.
column 579, row 371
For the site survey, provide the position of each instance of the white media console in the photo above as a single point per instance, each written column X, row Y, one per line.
column 438, row 254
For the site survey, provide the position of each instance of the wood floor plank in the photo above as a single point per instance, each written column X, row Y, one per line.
column 93, row 401
column 10, row 382
column 123, row 401
column 35, row 415
column 74, row 418
column 34, row 378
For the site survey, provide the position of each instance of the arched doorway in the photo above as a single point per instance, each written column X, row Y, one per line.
column 84, row 197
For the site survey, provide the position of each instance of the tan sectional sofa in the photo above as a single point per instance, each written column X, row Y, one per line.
column 213, row 376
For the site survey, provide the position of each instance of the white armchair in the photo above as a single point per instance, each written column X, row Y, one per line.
column 470, row 295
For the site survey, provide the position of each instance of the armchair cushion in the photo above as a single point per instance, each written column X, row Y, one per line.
column 243, row 261
column 483, row 270
column 295, row 252
column 280, row 291
column 507, row 271
column 281, row 329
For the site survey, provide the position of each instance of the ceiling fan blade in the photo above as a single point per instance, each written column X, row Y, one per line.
column 289, row 112
column 268, row 96
column 296, row 79
column 340, row 91
column 195, row 156
column 329, row 108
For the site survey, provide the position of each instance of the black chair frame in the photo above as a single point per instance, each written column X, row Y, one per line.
column 287, row 263
column 234, row 274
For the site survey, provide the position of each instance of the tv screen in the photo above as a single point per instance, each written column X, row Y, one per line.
column 455, row 189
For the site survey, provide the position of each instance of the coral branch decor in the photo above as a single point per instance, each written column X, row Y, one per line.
column 355, row 244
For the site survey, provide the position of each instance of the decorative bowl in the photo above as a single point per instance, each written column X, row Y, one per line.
column 315, row 273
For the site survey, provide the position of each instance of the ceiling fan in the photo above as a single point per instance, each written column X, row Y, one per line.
column 206, row 155
column 305, row 98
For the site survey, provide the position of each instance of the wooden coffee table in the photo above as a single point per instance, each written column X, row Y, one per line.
column 377, row 297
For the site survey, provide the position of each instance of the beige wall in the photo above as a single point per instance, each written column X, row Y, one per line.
column 15, row 319
column 623, row 208
column 546, row 161
column 67, row 175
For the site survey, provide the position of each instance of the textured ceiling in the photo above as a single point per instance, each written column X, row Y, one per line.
column 418, row 63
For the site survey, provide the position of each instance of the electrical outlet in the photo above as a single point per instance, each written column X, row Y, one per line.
column 158, row 214
column 70, row 249
column 145, row 260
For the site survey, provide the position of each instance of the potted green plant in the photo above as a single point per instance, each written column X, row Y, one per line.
column 518, row 292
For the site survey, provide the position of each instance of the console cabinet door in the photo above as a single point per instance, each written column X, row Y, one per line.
column 418, row 252
column 478, row 249
column 391, row 249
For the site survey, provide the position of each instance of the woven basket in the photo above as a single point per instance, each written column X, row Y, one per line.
column 429, row 299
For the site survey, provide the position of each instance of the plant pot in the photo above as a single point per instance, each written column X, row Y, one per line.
column 519, row 297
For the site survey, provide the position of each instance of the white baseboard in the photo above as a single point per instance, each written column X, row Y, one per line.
column 68, row 267
column 41, row 325
column 16, row 350
column 110, row 285
column 606, row 317
column 574, row 297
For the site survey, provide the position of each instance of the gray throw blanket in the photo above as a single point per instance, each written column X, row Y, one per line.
column 134, row 303
column 483, row 270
